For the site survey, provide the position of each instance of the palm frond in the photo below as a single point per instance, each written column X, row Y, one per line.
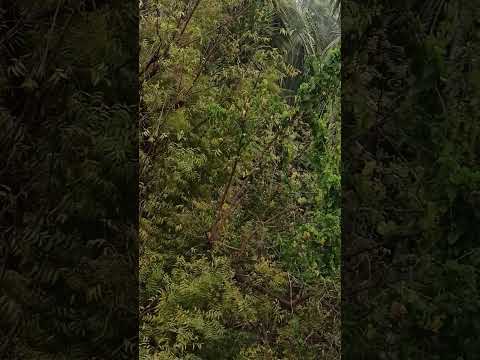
column 308, row 28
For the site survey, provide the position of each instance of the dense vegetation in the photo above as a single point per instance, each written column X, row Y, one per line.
column 411, row 186
column 239, row 180
column 68, row 180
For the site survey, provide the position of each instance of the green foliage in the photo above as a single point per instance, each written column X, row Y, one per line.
column 239, row 219
column 67, row 181
column 412, row 191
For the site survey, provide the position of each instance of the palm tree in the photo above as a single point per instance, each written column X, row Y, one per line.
column 307, row 28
